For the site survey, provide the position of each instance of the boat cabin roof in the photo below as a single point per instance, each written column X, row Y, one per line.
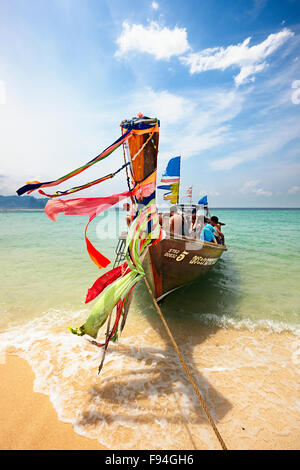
column 186, row 208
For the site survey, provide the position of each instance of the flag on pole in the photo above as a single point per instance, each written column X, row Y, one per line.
column 173, row 195
column 203, row 201
column 189, row 192
column 171, row 178
column 172, row 172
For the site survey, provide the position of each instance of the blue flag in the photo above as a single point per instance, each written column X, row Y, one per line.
column 172, row 172
column 173, row 167
column 170, row 180
column 203, row 201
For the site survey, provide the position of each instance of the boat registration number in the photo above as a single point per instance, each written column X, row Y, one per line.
column 179, row 256
column 200, row 260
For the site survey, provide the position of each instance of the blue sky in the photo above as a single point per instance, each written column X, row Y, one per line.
column 223, row 76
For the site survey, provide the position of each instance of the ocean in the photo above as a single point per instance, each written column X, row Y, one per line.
column 245, row 313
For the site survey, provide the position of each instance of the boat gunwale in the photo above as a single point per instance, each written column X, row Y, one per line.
column 194, row 240
column 201, row 243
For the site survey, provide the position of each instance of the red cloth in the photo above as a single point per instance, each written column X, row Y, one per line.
column 91, row 206
column 86, row 206
column 104, row 281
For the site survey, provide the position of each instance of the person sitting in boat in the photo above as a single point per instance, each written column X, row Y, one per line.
column 211, row 232
column 208, row 233
column 217, row 226
column 195, row 225
column 175, row 223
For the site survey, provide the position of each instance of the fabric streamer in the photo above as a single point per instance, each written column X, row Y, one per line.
column 114, row 288
column 137, row 240
column 132, row 128
column 122, row 308
column 105, row 305
column 33, row 185
column 92, row 207
column 104, row 281
column 100, row 260
column 86, row 206
column 83, row 186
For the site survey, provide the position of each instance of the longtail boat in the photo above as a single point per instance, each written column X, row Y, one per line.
column 168, row 258
column 176, row 259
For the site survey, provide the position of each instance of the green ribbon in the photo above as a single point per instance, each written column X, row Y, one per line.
column 120, row 287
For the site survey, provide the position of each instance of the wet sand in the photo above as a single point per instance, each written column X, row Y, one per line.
column 250, row 383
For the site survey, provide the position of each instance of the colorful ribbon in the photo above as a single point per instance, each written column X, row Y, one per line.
column 138, row 239
column 104, row 281
column 33, row 185
column 86, row 206
column 84, row 186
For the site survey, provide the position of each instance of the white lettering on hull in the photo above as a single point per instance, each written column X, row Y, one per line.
column 179, row 256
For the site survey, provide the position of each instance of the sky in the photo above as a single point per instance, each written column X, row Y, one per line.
column 223, row 77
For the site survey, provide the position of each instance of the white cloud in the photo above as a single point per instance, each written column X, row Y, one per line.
column 249, row 185
column 262, row 192
column 252, row 187
column 250, row 59
column 246, row 74
column 294, row 190
column 161, row 42
column 167, row 106
column 155, row 5
column 268, row 140
column 190, row 123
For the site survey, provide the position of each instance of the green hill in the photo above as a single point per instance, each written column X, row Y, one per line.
column 25, row 202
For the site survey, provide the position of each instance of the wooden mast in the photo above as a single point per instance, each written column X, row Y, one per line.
column 143, row 148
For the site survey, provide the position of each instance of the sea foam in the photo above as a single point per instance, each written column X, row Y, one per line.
column 142, row 399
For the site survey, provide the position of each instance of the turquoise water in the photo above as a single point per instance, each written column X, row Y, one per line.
column 258, row 278
column 237, row 327
column 45, row 266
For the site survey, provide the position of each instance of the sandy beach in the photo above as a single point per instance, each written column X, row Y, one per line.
column 28, row 419
column 254, row 405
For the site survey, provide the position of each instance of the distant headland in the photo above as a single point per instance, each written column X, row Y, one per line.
column 22, row 203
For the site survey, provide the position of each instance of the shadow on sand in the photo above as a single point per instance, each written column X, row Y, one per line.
column 215, row 294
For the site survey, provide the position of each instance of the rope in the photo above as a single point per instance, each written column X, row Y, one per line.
column 202, row 402
column 127, row 174
column 134, row 157
column 142, row 147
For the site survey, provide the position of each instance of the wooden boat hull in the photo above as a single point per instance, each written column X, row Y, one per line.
column 173, row 262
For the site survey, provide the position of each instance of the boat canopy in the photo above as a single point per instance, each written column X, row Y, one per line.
column 188, row 208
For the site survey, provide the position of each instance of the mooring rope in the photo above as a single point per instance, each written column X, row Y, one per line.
column 202, row 402
column 142, row 147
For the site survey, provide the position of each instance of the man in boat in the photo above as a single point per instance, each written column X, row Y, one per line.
column 217, row 226
column 176, row 223
column 196, row 225
column 211, row 231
